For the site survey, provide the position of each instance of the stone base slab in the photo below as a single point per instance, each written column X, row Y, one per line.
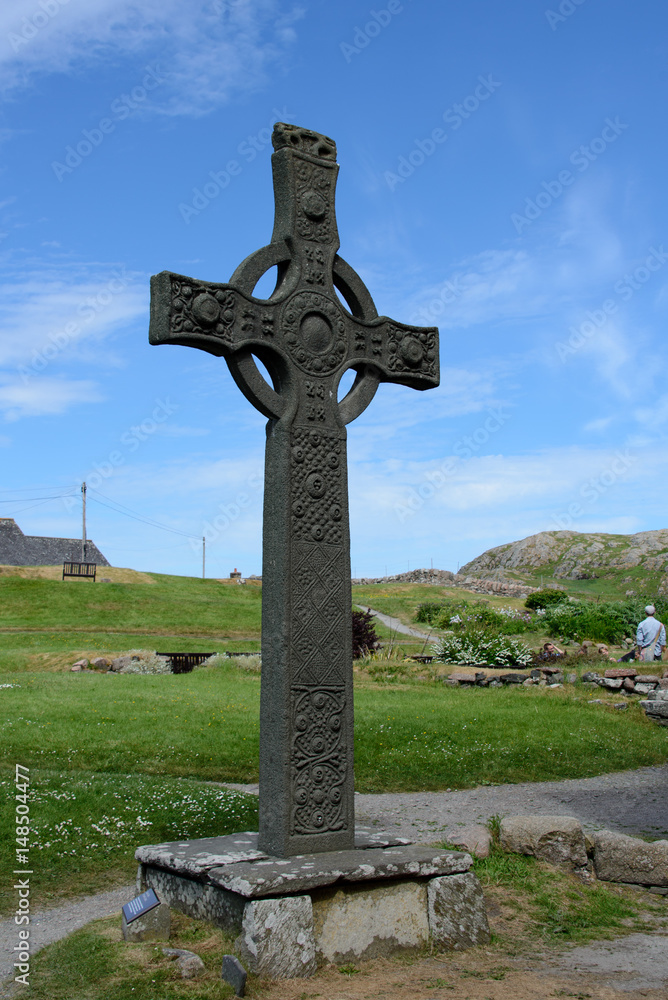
column 291, row 914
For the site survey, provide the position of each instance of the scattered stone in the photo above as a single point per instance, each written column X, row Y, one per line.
column 643, row 688
column 621, row 705
column 621, row 672
column 611, row 683
column 152, row 926
column 618, row 858
column 663, row 683
column 656, row 710
column 81, row 664
column 495, row 683
column 513, row 678
column 556, row 839
column 119, row 662
column 234, row 973
column 76, row 667
column 628, row 685
column 190, row 964
column 477, row 839
column 590, row 676
column 276, row 937
column 596, row 701
column 463, row 678
column 647, row 679
column 529, row 682
column 100, row 663
column 457, row 913
column 572, row 678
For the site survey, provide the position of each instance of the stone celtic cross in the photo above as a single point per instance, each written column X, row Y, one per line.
column 307, row 340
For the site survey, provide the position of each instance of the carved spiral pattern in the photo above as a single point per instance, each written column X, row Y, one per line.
column 318, row 760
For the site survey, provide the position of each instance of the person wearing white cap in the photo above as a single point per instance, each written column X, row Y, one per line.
column 651, row 636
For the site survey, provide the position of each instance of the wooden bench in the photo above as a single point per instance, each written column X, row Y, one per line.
column 80, row 570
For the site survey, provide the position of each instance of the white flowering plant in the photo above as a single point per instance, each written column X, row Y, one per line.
column 476, row 645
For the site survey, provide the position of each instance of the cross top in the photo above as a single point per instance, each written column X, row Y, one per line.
column 306, row 339
column 301, row 333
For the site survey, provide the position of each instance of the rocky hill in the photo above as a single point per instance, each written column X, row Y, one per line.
column 638, row 561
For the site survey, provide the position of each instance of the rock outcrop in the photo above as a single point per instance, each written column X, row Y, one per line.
column 575, row 556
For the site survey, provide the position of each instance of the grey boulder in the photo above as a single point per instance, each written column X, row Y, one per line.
column 558, row 840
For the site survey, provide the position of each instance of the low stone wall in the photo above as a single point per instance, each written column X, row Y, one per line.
column 444, row 578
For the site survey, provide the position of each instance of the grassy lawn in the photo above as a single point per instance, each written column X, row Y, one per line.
column 119, row 760
column 172, row 606
column 86, row 826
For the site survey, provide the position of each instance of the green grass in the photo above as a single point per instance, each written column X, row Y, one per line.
column 412, row 735
column 84, row 824
column 94, row 964
column 172, row 606
column 561, row 907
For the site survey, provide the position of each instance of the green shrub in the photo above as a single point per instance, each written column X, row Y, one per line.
column 477, row 645
column 364, row 634
column 428, row 611
column 545, row 598
column 604, row 622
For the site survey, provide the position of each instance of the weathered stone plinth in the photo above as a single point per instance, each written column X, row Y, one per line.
column 292, row 914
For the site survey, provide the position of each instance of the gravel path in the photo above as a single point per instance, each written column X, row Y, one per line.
column 633, row 802
column 47, row 926
column 394, row 623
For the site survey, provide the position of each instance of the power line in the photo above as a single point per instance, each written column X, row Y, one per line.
column 121, row 509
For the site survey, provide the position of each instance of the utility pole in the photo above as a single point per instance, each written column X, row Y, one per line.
column 203, row 557
column 83, row 532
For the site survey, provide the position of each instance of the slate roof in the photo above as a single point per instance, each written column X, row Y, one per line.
column 17, row 549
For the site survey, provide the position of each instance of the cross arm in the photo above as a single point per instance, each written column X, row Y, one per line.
column 217, row 318
column 406, row 355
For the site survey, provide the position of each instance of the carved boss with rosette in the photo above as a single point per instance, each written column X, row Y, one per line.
column 306, row 339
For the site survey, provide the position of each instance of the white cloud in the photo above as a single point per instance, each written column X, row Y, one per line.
column 45, row 397
column 206, row 50
column 50, row 311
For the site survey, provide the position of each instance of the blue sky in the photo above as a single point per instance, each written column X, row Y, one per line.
column 502, row 177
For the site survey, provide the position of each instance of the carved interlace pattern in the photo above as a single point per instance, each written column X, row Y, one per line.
column 318, row 760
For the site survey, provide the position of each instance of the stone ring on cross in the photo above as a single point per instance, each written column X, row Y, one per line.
column 307, row 339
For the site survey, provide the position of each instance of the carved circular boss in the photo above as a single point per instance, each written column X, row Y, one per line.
column 315, row 332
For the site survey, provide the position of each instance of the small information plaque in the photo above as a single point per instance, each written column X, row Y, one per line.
column 140, row 905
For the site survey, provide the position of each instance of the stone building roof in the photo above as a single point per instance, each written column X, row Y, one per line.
column 17, row 549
